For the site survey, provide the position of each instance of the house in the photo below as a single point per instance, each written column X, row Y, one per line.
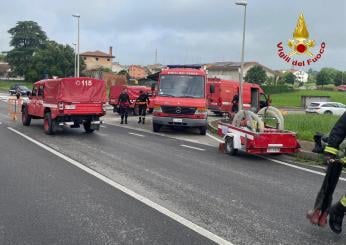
column 97, row 59
column 301, row 76
column 137, row 72
column 154, row 68
column 231, row 70
column 5, row 69
column 116, row 67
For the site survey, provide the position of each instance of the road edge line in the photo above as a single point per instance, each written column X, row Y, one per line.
column 189, row 224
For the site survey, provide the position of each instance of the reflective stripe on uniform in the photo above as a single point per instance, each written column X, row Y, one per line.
column 343, row 201
column 331, row 150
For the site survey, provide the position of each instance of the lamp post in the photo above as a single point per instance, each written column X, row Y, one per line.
column 78, row 17
column 240, row 107
column 75, row 59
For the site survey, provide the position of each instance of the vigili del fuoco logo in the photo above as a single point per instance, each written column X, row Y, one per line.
column 301, row 45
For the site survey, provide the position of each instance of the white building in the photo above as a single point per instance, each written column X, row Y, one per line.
column 301, row 76
column 116, row 67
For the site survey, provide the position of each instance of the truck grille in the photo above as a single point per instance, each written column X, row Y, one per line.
column 178, row 110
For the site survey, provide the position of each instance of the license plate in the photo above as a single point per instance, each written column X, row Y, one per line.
column 273, row 149
column 177, row 120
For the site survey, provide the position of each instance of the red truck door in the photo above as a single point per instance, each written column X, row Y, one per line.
column 39, row 108
column 32, row 101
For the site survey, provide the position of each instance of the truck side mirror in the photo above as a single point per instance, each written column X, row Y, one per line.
column 212, row 88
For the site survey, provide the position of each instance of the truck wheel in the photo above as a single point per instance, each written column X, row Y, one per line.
column 229, row 147
column 87, row 127
column 203, row 130
column 26, row 118
column 48, row 124
column 156, row 127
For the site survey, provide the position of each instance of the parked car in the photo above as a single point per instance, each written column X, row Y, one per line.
column 331, row 108
column 341, row 88
column 19, row 88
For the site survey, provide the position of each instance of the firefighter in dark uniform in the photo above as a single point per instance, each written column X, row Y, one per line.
column 142, row 102
column 124, row 103
column 334, row 168
column 235, row 103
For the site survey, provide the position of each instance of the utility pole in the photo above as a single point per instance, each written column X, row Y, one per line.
column 156, row 56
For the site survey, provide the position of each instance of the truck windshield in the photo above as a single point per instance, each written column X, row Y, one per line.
column 182, row 86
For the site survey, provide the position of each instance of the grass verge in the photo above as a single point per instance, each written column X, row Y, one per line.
column 293, row 99
column 306, row 125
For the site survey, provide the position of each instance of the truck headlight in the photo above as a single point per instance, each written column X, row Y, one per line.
column 201, row 110
column 157, row 109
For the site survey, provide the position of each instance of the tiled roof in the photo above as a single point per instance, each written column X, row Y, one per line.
column 96, row 54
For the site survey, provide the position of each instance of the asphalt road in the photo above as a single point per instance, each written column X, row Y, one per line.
column 244, row 199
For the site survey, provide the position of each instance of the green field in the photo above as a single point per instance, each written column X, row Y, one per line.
column 306, row 125
column 293, row 99
column 5, row 85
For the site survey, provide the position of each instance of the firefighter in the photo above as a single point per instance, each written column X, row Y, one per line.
column 142, row 102
column 324, row 197
column 124, row 103
column 235, row 102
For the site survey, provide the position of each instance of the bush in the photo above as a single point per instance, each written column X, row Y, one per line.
column 269, row 89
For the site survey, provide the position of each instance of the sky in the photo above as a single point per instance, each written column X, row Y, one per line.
column 186, row 31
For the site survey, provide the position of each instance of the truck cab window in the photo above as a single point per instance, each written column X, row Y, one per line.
column 40, row 91
column 34, row 91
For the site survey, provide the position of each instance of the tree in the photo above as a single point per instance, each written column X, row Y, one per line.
column 340, row 78
column 256, row 74
column 326, row 76
column 2, row 57
column 289, row 78
column 52, row 60
column 26, row 38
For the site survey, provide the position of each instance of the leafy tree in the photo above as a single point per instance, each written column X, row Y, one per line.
column 26, row 38
column 289, row 78
column 2, row 57
column 53, row 60
column 326, row 76
column 312, row 75
column 125, row 73
column 256, row 74
column 340, row 78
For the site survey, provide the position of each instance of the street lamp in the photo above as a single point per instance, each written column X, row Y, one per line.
column 78, row 17
column 240, row 107
column 75, row 59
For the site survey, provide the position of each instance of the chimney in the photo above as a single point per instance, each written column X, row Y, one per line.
column 110, row 50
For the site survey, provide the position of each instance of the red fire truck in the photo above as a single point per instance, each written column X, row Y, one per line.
column 66, row 102
column 220, row 94
column 180, row 100
column 133, row 92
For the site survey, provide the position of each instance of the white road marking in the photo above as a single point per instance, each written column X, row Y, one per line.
column 297, row 167
column 192, row 147
column 203, row 232
column 139, row 135
column 103, row 126
column 215, row 138
column 159, row 134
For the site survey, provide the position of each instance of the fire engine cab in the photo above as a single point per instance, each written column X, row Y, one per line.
column 180, row 100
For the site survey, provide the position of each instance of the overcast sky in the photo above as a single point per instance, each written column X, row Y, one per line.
column 185, row 31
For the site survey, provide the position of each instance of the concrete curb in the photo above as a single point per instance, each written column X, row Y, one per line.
column 302, row 154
